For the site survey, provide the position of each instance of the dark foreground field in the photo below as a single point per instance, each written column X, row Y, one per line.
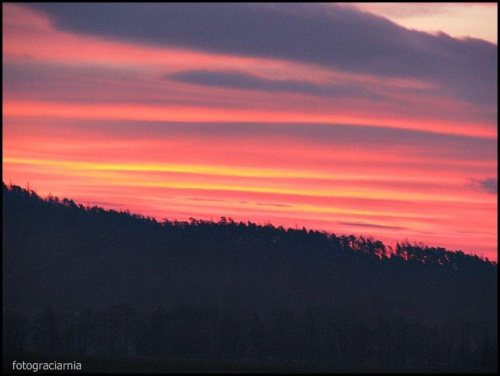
column 99, row 364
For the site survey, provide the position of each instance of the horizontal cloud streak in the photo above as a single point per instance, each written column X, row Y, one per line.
column 245, row 81
column 325, row 34
column 370, row 225
column 335, row 135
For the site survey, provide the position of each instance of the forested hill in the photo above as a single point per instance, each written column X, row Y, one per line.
column 68, row 258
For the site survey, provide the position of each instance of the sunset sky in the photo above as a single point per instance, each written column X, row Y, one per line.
column 367, row 119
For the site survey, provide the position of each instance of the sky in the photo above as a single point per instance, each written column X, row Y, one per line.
column 366, row 119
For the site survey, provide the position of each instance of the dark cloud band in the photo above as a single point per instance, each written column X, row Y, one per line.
column 325, row 34
column 244, row 81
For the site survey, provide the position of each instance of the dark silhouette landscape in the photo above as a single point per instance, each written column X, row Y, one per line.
column 122, row 291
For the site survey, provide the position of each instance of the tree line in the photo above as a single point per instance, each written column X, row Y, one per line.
column 84, row 280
